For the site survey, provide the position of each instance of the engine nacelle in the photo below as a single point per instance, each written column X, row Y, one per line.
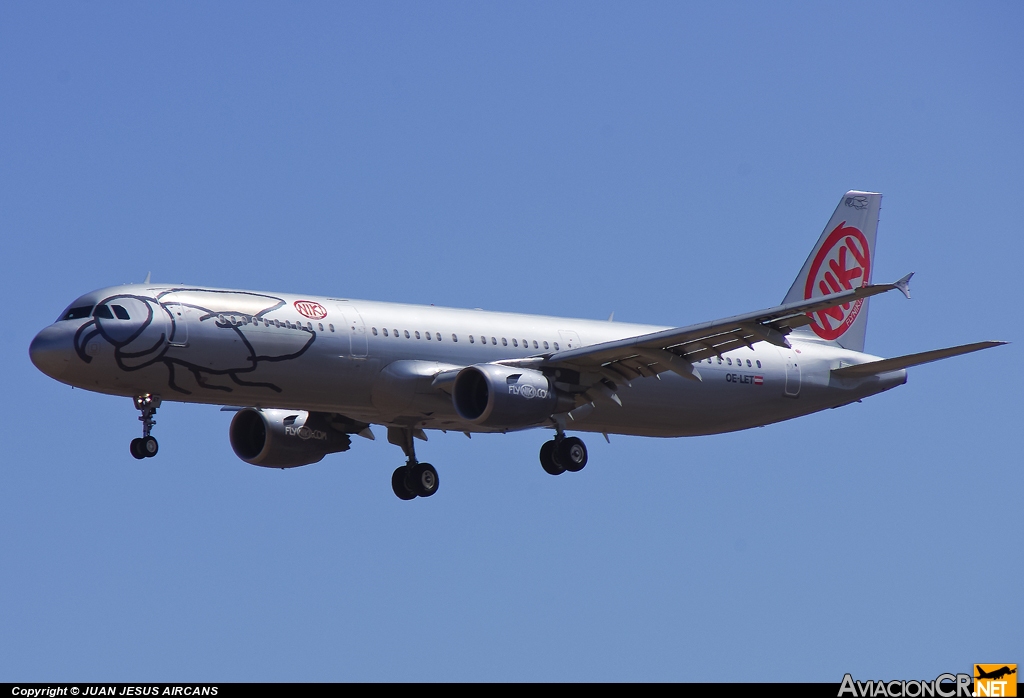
column 499, row 396
column 284, row 438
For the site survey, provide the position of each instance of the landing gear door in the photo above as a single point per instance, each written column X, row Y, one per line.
column 356, row 330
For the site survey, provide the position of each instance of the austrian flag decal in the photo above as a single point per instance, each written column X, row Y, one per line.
column 843, row 263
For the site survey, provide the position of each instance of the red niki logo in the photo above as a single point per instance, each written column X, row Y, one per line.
column 311, row 309
column 843, row 263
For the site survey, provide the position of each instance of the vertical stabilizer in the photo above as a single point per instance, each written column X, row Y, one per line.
column 843, row 258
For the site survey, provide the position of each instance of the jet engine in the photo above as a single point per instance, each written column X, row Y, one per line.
column 499, row 396
column 284, row 438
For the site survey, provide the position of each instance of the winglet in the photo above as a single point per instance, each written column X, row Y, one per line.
column 904, row 285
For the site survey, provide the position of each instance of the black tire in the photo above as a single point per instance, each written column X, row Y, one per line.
column 549, row 460
column 136, row 449
column 398, row 484
column 423, row 479
column 148, row 447
column 572, row 452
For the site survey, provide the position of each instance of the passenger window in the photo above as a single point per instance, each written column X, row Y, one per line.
column 385, row 331
column 504, row 342
column 78, row 313
column 545, row 345
column 374, row 330
column 514, row 342
column 437, row 335
column 120, row 312
column 494, row 341
column 471, row 339
column 407, row 334
column 556, row 346
column 417, row 334
column 396, row 332
column 309, row 326
column 719, row 359
column 454, row 337
column 103, row 311
column 331, row 328
column 321, row 326
column 526, row 344
column 748, row 363
column 535, row 346
column 728, row 361
column 759, row 363
column 427, row 335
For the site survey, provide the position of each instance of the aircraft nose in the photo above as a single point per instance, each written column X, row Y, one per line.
column 50, row 351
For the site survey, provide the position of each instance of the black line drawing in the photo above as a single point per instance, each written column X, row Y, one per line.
column 156, row 328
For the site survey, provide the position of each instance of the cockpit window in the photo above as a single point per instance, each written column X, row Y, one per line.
column 79, row 312
column 120, row 312
column 103, row 312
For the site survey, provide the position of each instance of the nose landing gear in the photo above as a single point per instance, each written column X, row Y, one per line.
column 145, row 447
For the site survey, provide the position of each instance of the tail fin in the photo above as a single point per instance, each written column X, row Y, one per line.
column 842, row 259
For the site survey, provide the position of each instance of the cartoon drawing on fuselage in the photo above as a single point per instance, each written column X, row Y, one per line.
column 183, row 329
column 303, row 374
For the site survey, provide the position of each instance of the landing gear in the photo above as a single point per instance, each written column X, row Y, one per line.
column 549, row 459
column 146, row 447
column 398, row 484
column 414, row 479
column 563, row 453
column 573, row 454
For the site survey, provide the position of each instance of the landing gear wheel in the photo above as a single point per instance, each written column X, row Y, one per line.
column 423, row 479
column 136, row 449
column 548, row 460
column 398, row 484
column 148, row 446
column 572, row 452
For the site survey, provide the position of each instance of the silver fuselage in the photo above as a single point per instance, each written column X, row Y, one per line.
column 361, row 359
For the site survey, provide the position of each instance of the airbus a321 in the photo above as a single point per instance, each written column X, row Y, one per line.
column 304, row 373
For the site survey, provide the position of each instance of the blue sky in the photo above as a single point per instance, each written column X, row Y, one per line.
column 670, row 162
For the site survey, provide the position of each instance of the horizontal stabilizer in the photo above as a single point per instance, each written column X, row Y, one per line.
column 885, row 365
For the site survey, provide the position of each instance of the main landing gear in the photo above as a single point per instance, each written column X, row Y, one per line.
column 414, row 479
column 563, row 453
column 146, row 447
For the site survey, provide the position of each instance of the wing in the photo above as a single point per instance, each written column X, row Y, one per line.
column 678, row 349
column 872, row 368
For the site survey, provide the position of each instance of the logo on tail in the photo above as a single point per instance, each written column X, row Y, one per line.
column 842, row 263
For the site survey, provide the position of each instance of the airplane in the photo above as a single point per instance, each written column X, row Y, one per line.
column 303, row 374
column 995, row 674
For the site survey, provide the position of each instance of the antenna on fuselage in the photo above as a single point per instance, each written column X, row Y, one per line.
column 148, row 274
column 611, row 318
